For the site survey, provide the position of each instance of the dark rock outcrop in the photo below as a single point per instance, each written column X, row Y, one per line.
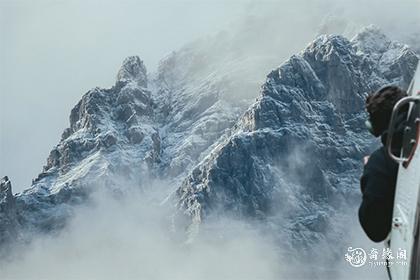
column 8, row 212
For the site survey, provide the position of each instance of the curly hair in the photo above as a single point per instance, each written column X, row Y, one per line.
column 379, row 105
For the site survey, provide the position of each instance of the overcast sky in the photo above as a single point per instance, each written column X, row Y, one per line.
column 53, row 51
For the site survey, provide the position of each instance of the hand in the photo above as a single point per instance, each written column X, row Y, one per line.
column 365, row 160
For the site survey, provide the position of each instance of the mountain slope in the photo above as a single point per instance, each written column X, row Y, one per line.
column 293, row 160
column 145, row 127
column 111, row 137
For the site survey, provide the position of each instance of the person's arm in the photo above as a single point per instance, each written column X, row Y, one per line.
column 378, row 188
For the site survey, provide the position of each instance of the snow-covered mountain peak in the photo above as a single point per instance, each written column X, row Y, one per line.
column 133, row 70
column 374, row 47
column 337, row 69
column 294, row 156
column 106, row 126
column 371, row 40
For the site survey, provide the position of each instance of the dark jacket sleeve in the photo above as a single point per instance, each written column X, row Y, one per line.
column 378, row 189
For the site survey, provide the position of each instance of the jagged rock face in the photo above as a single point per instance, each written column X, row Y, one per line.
column 8, row 217
column 133, row 70
column 112, row 141
column 7, row 199
column 296, row 153
column 109, row 121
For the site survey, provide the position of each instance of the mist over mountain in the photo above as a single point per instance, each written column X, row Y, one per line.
column 198, row 143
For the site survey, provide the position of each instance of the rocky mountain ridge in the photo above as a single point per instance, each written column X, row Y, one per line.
column 293, row 159
column 297, row 147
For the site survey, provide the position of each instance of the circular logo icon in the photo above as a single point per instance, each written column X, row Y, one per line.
column 356, row 257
